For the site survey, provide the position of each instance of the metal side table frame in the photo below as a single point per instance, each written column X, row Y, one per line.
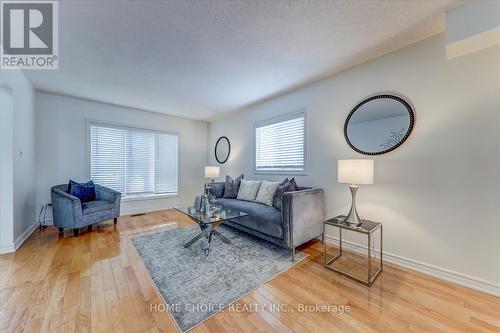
column 368, row 228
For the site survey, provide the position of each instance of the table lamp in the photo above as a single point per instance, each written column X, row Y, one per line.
column 355, row 172
column 212, row 172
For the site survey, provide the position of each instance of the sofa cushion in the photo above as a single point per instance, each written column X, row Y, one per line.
column 260, row 217
column 96, row 206
column 266, row 192
column 232, row 186
column 248, row 190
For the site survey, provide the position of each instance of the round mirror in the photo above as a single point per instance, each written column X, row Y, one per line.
column 379, row 124
column 222, row 149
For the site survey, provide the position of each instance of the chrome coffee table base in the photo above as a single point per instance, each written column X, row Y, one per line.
column 208, row 230
column 209, row 221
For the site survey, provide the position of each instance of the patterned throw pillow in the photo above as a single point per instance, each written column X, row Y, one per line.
column 266, row 192
column 287, row 185
column 248, row 190
column 232, row 186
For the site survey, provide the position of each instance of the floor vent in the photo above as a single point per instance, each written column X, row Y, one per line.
column 134, row 215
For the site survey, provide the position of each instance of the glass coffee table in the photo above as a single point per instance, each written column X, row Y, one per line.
column 209, row 222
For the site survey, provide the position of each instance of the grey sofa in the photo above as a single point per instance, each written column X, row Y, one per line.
column 300, row 219
column 69, row 212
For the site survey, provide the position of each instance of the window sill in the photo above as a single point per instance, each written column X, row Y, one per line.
column 140, row 197
column 281, row 172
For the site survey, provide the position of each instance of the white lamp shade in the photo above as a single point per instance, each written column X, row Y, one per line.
column 212, row 172
column 355, row 171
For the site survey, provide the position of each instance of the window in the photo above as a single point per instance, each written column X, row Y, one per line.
column 135, row 162
column 280, row 144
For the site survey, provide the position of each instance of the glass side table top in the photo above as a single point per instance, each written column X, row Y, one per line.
column 366, row 227
column 219, row 213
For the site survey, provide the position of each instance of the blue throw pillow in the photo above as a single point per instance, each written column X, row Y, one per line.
column 83, row 191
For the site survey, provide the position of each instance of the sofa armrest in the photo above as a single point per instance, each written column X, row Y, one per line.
column 66, row 209
column 107, row 194
column 303, row 214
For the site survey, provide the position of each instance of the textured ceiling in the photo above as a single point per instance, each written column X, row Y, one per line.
column 197, row 59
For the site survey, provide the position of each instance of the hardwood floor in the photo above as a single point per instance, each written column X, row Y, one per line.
column 97, row 283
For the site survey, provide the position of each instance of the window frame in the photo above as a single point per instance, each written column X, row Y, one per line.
column 134, row 197
column 274, row 120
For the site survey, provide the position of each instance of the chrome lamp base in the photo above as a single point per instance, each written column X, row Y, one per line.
column 353, row 217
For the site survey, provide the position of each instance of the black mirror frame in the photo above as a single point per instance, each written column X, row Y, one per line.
column 408, row 132
column 228, row 153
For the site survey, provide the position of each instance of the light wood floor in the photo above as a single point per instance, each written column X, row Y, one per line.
column 96, row 283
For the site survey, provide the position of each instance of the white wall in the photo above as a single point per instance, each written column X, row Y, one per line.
column 6, row 170
column 61, row 135
column 438, row 194
column 23, row 154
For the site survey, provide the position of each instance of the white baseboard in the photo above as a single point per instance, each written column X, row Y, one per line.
column 24, row 236
column 428, row 269
column 124, row 211
column 11, row 248
column 5, row 249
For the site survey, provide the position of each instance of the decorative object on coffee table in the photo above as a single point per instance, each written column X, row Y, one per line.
column 208, row 221
column 367, row 228
column 211, row 172
column 355, row 172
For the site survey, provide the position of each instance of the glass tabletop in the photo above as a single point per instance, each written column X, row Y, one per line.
column 366, row 227
column 219, row 213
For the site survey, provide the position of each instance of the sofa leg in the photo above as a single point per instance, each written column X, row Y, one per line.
column 115, row 220
column 293, row 254
column 75, row 232
column 89, row 228
column 61, row 230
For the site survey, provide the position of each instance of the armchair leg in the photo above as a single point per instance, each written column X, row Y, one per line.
column 61, row 230
column 75, row 232
column 293, row 254
column 89, row 228
column 115, row 220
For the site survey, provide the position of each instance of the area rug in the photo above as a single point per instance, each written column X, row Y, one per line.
column 194, row 286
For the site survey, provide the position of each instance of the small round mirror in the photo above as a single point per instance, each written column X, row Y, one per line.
column 222, row 149
column 379, row 124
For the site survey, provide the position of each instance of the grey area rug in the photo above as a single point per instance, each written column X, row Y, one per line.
column 195, row 286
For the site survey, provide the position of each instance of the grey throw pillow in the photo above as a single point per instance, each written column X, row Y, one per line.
column 287, row 185
column 248, row 190
column 232, row 186
column 266, row 192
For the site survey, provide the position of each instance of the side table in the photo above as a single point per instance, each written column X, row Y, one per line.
column 367, row 228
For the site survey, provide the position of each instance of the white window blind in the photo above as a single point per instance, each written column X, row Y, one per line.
column 280, row 144
column 132, row 161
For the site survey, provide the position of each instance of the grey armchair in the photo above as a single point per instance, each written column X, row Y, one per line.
column 69, row 212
